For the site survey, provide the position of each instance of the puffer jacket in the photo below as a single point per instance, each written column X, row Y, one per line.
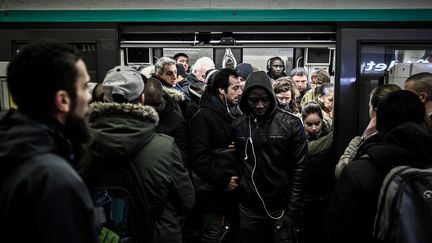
column 128, row 130
column 42, row 198
column 275, row 148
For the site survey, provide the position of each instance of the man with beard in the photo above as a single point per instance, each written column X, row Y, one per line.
column 124, row 131
column 272, row 148
column 276, row 68
column 41, row 196
column 210, row 139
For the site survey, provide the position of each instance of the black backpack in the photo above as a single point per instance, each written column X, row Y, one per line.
column 118, row 194
column 404, row 213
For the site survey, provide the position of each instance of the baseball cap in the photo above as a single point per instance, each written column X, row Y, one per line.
column 125, row 81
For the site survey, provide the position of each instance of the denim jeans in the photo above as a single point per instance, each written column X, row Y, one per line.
column 258, row 227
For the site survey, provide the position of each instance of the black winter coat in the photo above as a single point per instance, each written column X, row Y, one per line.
column 351, row 211
column 274, row 148
column 42, row 198
column 172, row 123
column 210, row 130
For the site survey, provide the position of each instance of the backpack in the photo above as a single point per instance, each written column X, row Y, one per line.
column 121, row 207
column 404, row 212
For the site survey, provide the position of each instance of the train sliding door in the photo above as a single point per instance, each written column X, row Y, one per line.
column 368, row 58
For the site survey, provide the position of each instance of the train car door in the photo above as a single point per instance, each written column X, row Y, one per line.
column 368, row 57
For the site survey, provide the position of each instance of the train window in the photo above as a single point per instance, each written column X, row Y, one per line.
column 317, row 56
column 258, row 56
column 138, row 56
column 89, row 52
column 193, row 53
column 382, row 63
column 231, row 57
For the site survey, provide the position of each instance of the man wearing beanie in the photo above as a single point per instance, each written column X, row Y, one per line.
column 124, row 131
column 271, row 144
column 244, row 69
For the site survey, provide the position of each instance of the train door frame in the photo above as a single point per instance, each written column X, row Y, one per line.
column 349, row 40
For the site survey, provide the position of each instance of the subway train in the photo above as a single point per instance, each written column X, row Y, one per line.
column 361, row 48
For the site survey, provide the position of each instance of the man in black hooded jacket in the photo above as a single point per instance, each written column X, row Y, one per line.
column 272, row 148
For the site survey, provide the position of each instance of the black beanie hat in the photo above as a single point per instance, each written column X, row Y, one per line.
column 244, row 69
column 180, row 70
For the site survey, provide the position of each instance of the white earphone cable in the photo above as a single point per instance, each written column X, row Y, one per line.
column 249, row 140
column 226, row 105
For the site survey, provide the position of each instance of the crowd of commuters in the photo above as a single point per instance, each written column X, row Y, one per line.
column 229, row 155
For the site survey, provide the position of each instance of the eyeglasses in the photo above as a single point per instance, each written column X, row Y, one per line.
column 169, row 73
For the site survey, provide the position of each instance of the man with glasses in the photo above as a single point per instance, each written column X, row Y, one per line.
column 166, row 74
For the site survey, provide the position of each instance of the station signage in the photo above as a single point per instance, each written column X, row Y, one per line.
column 371, row 67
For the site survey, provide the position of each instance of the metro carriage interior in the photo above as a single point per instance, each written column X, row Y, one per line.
column 359, row 54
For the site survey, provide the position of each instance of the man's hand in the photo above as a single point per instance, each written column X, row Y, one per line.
column 232, row 185
column 289, row 224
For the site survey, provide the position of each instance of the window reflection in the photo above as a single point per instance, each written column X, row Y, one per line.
column 382, row 63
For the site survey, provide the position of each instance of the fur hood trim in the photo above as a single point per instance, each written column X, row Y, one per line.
column 146, row 112
column 176, row 95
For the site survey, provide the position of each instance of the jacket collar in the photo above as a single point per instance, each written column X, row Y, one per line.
column 142, row 111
